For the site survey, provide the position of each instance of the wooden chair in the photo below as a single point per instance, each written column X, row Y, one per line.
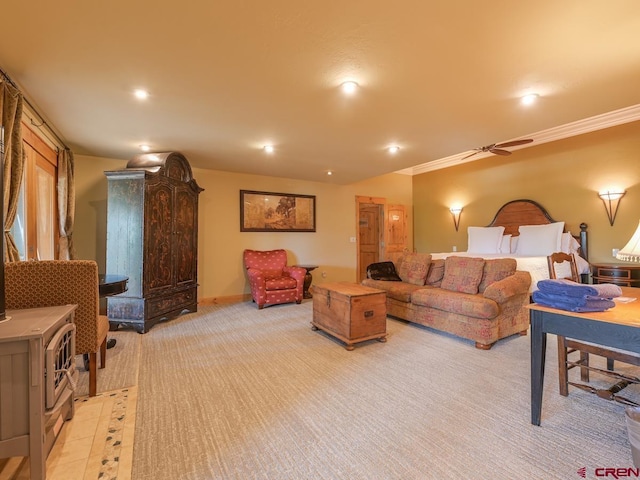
column 559, row 258
column 48, row 283
column 566, row 346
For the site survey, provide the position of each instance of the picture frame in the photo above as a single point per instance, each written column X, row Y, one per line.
column 277, row 212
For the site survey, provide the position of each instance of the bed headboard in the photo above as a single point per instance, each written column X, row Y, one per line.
column 528, row 212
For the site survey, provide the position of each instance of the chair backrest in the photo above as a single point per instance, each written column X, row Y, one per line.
column 569, row 271
column 47, row 283
column 271, row 260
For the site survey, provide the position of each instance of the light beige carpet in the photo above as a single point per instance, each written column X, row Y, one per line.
column 121, row 368
column 232, row 392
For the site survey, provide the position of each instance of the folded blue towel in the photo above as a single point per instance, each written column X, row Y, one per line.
column 572, row 304
column 573, row 289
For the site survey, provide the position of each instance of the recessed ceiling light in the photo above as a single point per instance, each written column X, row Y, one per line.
column 141, row 94
column 329, row 172
column 393, row 149
column 529, row 99
column 145, row 148
column 268, row 148
column 349, row 87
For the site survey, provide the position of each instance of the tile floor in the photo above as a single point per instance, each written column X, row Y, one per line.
column 97, row 443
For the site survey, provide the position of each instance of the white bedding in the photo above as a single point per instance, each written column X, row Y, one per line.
column 536, row 266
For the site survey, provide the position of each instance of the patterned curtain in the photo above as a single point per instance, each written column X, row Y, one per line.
column 11, row 111
column 66, row 204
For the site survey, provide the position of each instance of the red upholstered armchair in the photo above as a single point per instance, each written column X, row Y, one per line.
column 271, row 280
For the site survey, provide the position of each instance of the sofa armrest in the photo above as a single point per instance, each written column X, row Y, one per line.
column 505, row 289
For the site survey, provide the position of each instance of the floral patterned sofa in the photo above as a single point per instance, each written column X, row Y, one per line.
column 478, row 299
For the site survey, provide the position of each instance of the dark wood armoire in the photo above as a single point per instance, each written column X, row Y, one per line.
column 152, row 237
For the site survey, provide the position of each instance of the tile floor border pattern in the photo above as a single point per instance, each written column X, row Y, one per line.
column 113, row 442
column 97, row 443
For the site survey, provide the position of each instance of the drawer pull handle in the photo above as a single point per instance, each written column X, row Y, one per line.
column 368, row 314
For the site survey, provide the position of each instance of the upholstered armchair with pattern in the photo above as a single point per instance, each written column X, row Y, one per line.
column 47, row 283
column 271, row 280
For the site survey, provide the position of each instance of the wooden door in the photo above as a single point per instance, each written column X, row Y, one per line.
column 369, row 235
column 35, row 229
column 386, row 223
column 370, row 227
column 396, row 238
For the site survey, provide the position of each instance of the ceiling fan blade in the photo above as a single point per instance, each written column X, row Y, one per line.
column 470, row 155
column 514, row 143
column 498, row 151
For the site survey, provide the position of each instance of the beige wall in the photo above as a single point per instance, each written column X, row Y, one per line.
column 90, row 230
column 221, row 243
column 563, row 176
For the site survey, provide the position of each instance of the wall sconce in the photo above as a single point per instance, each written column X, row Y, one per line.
column 455, row 212
column 611, row 201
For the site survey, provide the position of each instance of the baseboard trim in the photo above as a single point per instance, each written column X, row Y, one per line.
column 245, row 297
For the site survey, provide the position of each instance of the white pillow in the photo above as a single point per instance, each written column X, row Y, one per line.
column 538, row 240
column 505, row 245
column 514, row 244
column 484, row 239
column 569, row 244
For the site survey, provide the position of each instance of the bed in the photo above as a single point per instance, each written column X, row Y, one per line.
column 524, row 230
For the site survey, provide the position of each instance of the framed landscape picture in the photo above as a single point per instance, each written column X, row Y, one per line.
column 277, row 212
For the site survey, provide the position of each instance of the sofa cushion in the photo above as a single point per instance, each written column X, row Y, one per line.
column 436, row 272
column 414, row 267
column 462, row 274
column 495, row 269
column 399, row 291
column 475, row 306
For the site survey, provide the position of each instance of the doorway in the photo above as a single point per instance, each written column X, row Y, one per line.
column 382, row 232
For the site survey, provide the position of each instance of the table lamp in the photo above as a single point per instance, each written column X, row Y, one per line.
column 631, row 251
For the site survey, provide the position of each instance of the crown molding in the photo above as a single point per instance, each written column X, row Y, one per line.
column 591, row 124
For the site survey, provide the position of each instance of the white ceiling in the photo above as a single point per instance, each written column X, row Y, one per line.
column 226, row 77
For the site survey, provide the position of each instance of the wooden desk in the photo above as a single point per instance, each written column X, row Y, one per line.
column 618, row 327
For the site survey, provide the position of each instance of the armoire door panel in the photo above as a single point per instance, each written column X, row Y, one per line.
column 159, row 237
column 185, row 227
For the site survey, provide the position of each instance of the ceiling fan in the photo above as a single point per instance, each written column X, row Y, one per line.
column 497, row 148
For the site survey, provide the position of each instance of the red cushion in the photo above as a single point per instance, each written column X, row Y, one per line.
column 281, row 283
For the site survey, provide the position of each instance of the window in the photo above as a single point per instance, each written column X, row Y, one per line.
column 35, row 229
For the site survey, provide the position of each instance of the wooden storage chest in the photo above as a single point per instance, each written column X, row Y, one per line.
column 350, row 312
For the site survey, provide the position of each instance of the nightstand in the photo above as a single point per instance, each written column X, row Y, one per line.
column 308, row 278
column 623, row 274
